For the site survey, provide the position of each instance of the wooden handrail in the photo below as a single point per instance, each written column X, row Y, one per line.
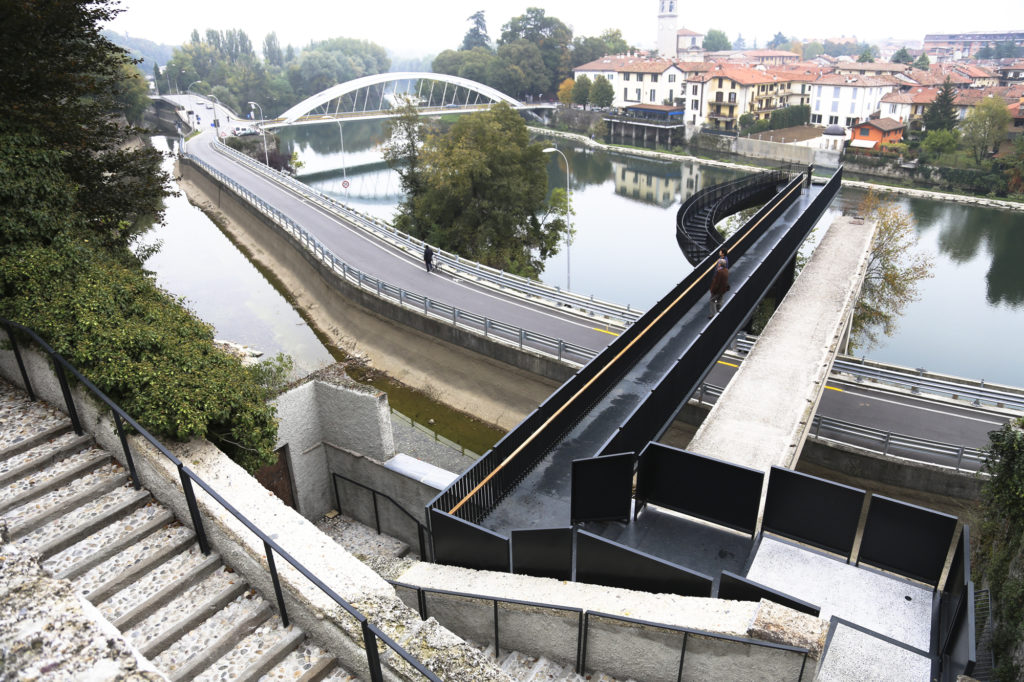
column 600, row 372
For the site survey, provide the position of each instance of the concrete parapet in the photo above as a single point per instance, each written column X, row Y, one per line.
column 764, row 414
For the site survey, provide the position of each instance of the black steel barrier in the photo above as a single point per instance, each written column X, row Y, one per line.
column 736, row 587
column 370, row 632
column 604, row 562
column 812, row 510
column 601, row 488
column 702, row 487
column 906, row 539
column 458, row 542
column 543, row 552
column 421, row 530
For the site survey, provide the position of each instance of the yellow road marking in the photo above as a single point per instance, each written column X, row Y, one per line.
column 727, row 364
column 604, row 331
column 833, row 388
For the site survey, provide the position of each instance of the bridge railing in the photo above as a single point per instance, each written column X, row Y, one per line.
column 889, row 443
column 189, row 480
column 451, row 262
column 506, row 334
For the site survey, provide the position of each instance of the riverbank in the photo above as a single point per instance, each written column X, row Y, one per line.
column 859, row 184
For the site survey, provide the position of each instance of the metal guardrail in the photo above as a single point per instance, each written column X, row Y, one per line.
column 371, row 633
column 918, row 381
column 453, row 262
column 421, row 530
column 507, row 334
column 583, row 626
column 435, row 435
column 888, row 443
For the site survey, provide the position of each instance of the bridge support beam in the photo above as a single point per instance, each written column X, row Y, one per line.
column 764, row 414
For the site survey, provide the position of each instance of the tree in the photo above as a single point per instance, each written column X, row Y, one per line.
column 565, row 91
column 551, row 37
column 901, row 56
column 581, row 91
column 867, row 56
column 813, row 49
column 484, row 194
column 986, row 52
column 602, row 93
column 941, row 114
column 476, row 36
column 984, row 129
column 777, row 41
column 588, row 49
column 272, row 50
column 922, row 62
column 405, row 136
column 939, row 142
column 716, row 40
column 739, row 43
column 1015, row 167
column 894, row 270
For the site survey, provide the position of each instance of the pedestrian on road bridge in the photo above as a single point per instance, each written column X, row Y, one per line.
column 428, row 257
column 719, row 285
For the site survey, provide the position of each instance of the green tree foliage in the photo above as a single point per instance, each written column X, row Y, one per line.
column 777, row 41
column 131, row 92
column 1001, row 544
column 901, row 56
column 716, row 40
column 846, row 48
column 476, row 36
column 588, row 49
column 602, row 92
column 813, row 49
column 551, row 37
column 922, row 62
column 938, row 143
column 484, row 194
column 405, row 136
column 941, row 114
column 1015, row 167
column 790, row 116
column 581, row 90
column 867, row 56
column 893, row 272
column 272, row 53
column 739, row 43
column 75, row 197
column 984, row 129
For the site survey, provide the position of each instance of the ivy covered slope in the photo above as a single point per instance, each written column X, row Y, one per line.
column 1000, row 547
column 75, row 196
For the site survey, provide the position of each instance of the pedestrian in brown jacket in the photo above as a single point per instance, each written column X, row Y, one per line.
column 719, row 285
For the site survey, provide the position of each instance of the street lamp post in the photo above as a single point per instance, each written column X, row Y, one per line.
column 192, row 97
column 216, row 121
column 568, row 213
column 266, row 154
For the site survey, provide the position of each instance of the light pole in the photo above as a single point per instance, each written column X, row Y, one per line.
column 192, row 96
column 568, row 213
column 216, row 121
column 266, row 155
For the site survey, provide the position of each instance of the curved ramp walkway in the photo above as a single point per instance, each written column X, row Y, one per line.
column 765, row 412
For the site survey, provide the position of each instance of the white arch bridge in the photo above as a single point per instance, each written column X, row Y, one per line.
column 379, row 96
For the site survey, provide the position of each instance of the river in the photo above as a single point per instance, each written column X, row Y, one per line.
column 965, row 322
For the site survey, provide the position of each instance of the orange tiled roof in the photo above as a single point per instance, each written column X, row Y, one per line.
column 744, row 75
column 886, row 125
column 913, row 96
column 857, row 81
column 628, row 63
column 687, row 32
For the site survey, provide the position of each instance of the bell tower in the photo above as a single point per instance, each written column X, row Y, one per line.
column 667, row 28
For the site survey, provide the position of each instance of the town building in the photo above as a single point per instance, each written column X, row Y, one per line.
column 953, row 46
column 637, row 80
column 873, row 133
column 766, row 57
column 848, row 100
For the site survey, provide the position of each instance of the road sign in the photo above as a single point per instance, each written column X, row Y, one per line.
column 344, row 184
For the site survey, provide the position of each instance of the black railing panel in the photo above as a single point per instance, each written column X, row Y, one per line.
column 460, row 543
column 812, row 510
column 906, row 539
column 604, row 562
column 543, row 552
column 602, row 488
column 738, row 588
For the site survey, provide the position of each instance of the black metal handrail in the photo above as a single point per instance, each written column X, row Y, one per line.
column 583, row 627
column 421, row 529
column 370, row 632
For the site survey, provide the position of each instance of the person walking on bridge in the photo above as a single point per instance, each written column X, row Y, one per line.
column 719, row 285
column 428, row 257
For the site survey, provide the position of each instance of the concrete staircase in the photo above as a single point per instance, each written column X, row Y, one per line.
column 66, row 499
column 524, row 668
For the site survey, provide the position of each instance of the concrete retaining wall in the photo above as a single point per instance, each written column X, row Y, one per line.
column 308, row 606
column 280, row 241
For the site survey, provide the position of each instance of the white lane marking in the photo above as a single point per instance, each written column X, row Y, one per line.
column 921, row 407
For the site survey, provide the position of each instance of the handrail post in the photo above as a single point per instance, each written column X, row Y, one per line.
column 682, row 656
column 21, row 363
column 888, row 437
column 68, row 400
column 193, row 510
column 376, row 513
column 372, row 654
column 129, row 460
column 277, row 583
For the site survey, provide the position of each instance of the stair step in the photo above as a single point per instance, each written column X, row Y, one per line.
column 84, row 520
column 154, row 584
column 34, row 458
column 40, row 483
column 28, row 518
column 197, row 649
column 120, row 570
column 517, row 664
column 256, row 654
column 22, row 419
column 75, row 560
column 191, row 606
column 335, row 674
column 548, row 671
column 308, row 663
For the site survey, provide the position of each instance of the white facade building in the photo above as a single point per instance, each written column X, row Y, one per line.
column 637, row 80
column 848, row 99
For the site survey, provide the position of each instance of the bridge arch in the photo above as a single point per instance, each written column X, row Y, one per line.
column 369, row 94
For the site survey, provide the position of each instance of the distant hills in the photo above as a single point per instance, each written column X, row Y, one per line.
column 149, row 52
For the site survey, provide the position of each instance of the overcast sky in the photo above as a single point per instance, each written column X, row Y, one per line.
column 419, row 28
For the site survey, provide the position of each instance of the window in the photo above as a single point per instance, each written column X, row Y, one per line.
column 819, row 91
column 835, row 105
column 815, row 118
column 892, row 108
column 835, row 91
column 832, row 120
column 649, row 177
column 638, row 94
column 694, row 91
column 654, row 95
column 610, row 76
column 625, row 94
column 625, row 76
column 654, row 78
column 718, row 97
column 695, row 105
column 671, row 78
column 732, row 84
column 623, row 174
column 852, row 121
column 817, row 105
column 732, row 97
column 865, row 131
column 719, row 82
column 853, row 107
